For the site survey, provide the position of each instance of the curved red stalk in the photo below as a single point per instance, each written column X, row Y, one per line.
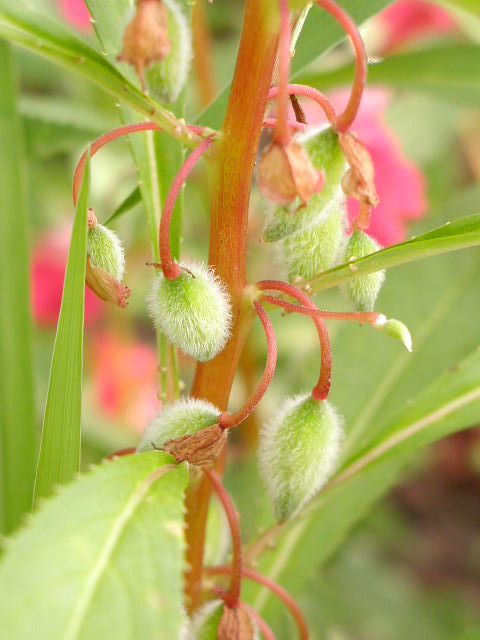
column 271, row 123
column 232, row 597
column 104, row 139
column 170, row 269
column 275, row 588
column 322, row 388
column 363, row 317
column 122, row 452
column 345, row 120
column 229, row 420
column 265, row 630
column 282, row 133
column 313, row 94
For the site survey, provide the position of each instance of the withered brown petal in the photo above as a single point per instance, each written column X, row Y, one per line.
column 105, row 286
column 359, row 181
column 235, row 624
column 201, row 449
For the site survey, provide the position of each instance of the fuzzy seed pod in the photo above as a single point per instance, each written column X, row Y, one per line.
column 364, row 289
column 105, row 251
column 185, row 417
column 193, row 310
column 313, row 249
column 166, row 79
column 325, row 154
column 298, row 451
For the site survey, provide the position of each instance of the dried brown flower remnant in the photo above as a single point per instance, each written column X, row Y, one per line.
column 145, row 39
column 359, row 181
column 201, row 448
column 285, row 172
column 235, row 624
column 106, row 286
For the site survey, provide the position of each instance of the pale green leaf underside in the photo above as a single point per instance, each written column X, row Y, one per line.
column 59, row 457
column 461, row 234
column 102, row 559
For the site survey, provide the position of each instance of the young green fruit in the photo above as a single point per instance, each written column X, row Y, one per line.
column 363, row 290
column 166, row 78
column 397, row 330
column 193, row 310
column 105, row 251
column 185, row 417
column 314, row 248
column 325, row 154
column 298, row 451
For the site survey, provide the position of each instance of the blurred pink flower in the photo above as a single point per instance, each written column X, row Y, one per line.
column 76, row 13
column 47, row 274
column 408, row 20
column 400, row 184
column 124, row 373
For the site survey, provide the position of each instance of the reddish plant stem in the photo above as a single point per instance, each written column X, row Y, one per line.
column 271, row 123
column 362, row 317
column 275, row 588
column 121, row 452
column 232, row 597
column 228, row 420
column 345, row 120
column 230, row 182
column 202, row 53
column 322, row 388
column 265, row 630
column 282, row 134
column 104, row 139
column 313, row 94
column 170, row 268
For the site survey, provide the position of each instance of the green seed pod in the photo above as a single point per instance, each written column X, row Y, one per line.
column 325, row 153
column 364, row 289
column 166, row 79
column 313, row 249
column 298, row 451
column 397, row 330
column 183, row 418
column 106, row 251
column 193, row 311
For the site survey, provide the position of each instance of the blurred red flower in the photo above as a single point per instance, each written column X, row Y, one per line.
column 47, row 275
column 124, row 373
column 76, row 13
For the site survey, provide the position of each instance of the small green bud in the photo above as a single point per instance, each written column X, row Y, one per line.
column 183, row 418
column 166, row 78
column 397, row 330
column 298, row 451
column 364, row 289
column 106, row 251
column 325, row 154
column 193, row 310
column 313, row 249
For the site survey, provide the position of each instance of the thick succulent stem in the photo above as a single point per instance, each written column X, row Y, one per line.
column 230, row 181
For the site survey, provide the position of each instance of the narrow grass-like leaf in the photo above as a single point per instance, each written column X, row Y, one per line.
column 461, row 234
column 102, row 559
column 131, row 201
column 59, row 458
column 18, row 435
column 447, row 71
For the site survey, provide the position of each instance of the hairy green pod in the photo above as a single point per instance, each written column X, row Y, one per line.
column 183, row 418
column 193, row 310
column 325, row 153
column 313, row 249
column 298, row 451
column 106, row 251
column 166, row 79
column 364, row 289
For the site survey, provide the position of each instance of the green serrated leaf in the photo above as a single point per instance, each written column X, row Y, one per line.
column 59, row 457
column 18, row 433
column 460, row 234
column 448, row 71
column 102, row 559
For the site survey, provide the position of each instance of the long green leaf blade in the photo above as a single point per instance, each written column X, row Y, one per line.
column 59, row 458
column 102, row 559
column 18, row 437
column 461, row 234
